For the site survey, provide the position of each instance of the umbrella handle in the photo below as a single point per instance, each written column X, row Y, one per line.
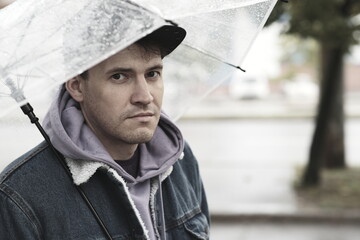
column 29, row 111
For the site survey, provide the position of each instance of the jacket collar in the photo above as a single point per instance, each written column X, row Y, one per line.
column 82, row 170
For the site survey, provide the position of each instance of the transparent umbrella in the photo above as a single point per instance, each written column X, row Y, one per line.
column 45, row 42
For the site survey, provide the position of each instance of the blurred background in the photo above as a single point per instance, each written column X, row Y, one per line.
column 278, row 144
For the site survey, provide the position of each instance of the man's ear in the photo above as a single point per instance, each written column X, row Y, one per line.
column 74, row 87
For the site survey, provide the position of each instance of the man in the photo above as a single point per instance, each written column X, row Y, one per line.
column 129, row 160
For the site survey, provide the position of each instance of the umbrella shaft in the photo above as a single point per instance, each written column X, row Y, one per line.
column 29, row 111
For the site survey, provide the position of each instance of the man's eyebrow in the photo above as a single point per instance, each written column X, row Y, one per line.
column 158, row 66
column 120, row 69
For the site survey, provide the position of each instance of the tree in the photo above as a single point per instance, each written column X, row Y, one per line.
column 332, row 23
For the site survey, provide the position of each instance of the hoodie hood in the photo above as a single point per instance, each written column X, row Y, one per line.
column 68, row 132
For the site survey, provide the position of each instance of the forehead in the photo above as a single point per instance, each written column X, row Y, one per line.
column 133, row 55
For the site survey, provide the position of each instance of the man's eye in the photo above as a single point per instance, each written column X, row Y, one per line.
column 153, row 74
column 118, row 76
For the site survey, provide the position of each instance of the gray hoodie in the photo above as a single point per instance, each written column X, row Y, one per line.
column 68, row 132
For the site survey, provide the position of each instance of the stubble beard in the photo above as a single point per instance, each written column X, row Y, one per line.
column 137, row 138
column 140, row 134
column 114, row 129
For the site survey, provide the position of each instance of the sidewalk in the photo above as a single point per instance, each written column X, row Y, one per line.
column 264, row 199
column 250, row 191
column 284, row 231
column 222, row 107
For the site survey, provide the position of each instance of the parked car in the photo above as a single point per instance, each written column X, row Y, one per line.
column 249, row 87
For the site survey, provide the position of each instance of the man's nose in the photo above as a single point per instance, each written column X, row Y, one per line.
column 141, row 92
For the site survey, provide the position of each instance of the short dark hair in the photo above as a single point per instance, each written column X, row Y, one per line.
column 153, row 46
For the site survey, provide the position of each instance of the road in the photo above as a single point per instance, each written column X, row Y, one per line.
column 285, row 231
column 247, row 166
column 252, row 163
column 261, row 142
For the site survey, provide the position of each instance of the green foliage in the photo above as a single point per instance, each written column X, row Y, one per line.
column 299, row 51
column 330, row 22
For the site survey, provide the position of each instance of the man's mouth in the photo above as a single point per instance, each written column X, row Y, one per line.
column 142, row 117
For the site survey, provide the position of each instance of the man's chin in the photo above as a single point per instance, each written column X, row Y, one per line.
column 141, row 137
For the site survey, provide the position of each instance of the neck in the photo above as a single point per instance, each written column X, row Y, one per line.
column 118, row 150
column 121, row 151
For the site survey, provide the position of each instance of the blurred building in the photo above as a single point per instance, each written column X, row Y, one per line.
column 352, row 77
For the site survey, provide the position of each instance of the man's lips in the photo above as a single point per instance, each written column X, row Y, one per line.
column 142, row 117
column 145, row 114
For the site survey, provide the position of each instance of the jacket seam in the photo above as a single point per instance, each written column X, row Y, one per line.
column 154, row 187
column 29, row 157
column 137, row 213
column 183, row 219
column 12, row 195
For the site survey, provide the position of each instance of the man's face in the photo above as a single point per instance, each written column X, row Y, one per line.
column 122, row 96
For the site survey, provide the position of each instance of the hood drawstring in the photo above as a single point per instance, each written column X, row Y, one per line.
column 162, row 215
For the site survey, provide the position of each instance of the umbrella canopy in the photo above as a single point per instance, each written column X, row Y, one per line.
column 45, row 42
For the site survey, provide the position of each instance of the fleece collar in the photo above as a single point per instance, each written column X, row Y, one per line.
column 83, row 170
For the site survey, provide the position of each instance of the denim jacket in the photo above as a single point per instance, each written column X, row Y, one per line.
column 38, row 200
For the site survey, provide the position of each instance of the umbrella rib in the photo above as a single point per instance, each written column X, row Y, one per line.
column 28, row 75
column 1, row 51
column 4, row 95
column 26, row 61
column 210, row 21
column 214, row 57
column 46, row 74
column 22, row 86
column 217, row 8
column 22, row 37
column 41, row 43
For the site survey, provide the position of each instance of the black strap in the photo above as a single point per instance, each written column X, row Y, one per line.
column 28, row 110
